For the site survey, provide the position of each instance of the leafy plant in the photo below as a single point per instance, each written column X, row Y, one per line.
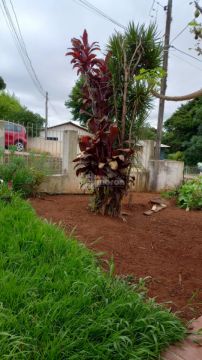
column 190, row 194
column 6, row 193
column 105, row 166
column 178, row 156
column 25, row 178
column 169, row 194
column 102, row 160
column 116, row 103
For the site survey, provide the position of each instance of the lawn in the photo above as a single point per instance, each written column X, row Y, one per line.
column 56, row 303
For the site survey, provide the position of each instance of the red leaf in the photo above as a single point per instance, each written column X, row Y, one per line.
column 85, row 37
column 113, row 132
column 80, row 170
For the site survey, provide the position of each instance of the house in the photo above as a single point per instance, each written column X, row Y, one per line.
column 53, row 145
column 55, row 132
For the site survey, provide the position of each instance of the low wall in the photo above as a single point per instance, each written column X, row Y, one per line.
column 165, row 174
column 61, row 184
column 52, row 147
column 141, row 180
column 70, row 184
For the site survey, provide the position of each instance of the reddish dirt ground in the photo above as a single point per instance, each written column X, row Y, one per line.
column 166, row 246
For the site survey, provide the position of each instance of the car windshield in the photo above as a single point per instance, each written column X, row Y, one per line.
column 14, row 127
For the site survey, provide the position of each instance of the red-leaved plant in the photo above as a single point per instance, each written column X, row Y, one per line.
column 101, row 161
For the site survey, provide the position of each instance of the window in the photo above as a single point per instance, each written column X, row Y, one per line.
column 52, row 138
column 13, row 127
column 9, row 127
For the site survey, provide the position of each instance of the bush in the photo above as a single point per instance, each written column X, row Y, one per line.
column 25, row 178
column 6, row 194
column 178, row 156
column 56, row 303
column 190, row 194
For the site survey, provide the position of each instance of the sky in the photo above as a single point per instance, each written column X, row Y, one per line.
column 47, row 28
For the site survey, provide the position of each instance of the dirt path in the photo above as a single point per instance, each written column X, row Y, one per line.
column 166, row 246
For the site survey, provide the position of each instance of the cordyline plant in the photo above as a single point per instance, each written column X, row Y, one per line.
column 102, row 161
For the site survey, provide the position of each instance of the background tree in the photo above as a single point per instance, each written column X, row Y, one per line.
column 183, row 131
column 137, row 49
column 147, row 132
column 75, row 103
column 2, row 84
column 12, row 110
column 196, row 26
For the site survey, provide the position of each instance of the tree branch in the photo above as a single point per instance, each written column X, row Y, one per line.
column 198, row 6
column 125, row 92
column 190, row 96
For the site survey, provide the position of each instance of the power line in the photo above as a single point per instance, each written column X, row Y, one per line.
column 152, row 7
column 180, row 33
column 25, row 49
column 19, row 41
column 163, row 7
column 182, row 59
column 185, row 53
column 86, row 4
column 20, row 44
column 21, row 47
column 156, row 9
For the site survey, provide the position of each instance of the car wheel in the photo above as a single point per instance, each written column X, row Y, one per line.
column 19, row 146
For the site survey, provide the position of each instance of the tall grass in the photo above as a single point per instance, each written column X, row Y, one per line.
column 57, row 304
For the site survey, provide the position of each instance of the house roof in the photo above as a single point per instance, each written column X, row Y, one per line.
column 68, row 123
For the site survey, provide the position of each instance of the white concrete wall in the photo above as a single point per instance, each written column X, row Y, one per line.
column 57, row 132
column 144, row 153
column 52, row 147
column 165, row 174
column 160, row 175
column 141, row 180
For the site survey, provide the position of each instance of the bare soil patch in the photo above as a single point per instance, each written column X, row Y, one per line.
column 166, row 246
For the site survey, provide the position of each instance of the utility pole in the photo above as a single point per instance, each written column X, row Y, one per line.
column 46, row 115
column 168, row 8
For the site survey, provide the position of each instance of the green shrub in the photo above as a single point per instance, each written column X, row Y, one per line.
column 190, row 194
column 6, row 194
column 25, row 178
column 57, row 304
column 169, row 194
column 178, row 156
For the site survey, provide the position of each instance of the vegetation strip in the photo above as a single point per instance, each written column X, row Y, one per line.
column 56, row 303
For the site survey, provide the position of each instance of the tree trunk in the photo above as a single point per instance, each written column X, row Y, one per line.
column 107, row 200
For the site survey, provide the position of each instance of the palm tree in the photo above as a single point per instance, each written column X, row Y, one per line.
column 138, row 48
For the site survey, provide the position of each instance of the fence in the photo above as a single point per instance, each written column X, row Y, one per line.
column 29, row 142
column 56, row 153
column 191, row 171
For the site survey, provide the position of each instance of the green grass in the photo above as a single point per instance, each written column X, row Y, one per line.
column 56, row 303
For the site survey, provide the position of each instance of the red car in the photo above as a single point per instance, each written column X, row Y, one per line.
column 15, row 134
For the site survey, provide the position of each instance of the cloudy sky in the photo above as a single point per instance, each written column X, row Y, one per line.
column 47, row 27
